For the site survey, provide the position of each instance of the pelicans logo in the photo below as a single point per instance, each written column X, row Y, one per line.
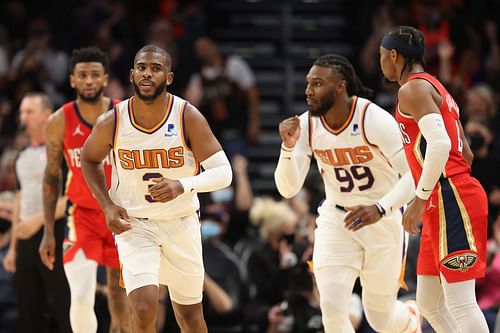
column 461, row 262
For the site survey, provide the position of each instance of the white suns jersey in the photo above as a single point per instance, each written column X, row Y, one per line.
column 142, row 154
column 354, row 169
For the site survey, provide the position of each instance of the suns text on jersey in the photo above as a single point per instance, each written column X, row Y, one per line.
column 151, row 158
column 344, row 156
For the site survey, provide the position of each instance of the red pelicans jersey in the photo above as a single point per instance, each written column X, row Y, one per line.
column 77, row 130
column 414, row 142
column 142, row 154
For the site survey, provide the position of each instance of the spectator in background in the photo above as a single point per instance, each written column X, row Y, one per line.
column 225, row 279
column 268, row 264
column 225, row 92
column 8, row 299
column 50, row 65
column 42, row 293
column 488, row 288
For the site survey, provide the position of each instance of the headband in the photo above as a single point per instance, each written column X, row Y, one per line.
column 389, row 43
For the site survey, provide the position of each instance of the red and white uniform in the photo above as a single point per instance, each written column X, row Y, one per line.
column 86, row 221
column 455, row 220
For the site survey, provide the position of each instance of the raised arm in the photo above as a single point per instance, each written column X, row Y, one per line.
column 295, row 156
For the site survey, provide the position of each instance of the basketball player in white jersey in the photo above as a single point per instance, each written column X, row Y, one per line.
column 158, row 140
column 360, row 156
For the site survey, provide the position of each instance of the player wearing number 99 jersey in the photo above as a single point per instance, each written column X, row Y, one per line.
column 359, row 153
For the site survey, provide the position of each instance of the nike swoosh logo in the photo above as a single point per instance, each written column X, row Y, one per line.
column 287, row 158
column 424, row 190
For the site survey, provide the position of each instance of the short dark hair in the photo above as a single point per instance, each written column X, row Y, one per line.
column 44, row 99
column 89, row 54
column 412, row 37
column 150, row 48
column 344, row 68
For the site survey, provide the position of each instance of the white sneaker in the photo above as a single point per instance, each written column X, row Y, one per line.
column 415, row 312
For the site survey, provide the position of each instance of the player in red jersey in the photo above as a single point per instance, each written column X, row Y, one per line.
column 451, row 203
column 89, row 243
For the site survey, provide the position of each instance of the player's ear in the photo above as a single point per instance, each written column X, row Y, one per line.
column 394, row 56
column 105, row 80
column 131, row 76
column 170, row 78
column 72, row 80
column 341, row 87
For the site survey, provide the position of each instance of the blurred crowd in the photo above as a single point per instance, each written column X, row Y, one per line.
column 256, row 248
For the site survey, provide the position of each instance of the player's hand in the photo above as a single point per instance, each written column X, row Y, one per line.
column 28, row 227
column 413, row 215
column 290, row 131
column 165, row 189
column 360, row 216
column 47, row 249
column 9, row 262
column 117, row 219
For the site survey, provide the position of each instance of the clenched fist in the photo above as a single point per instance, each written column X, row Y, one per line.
column 290, row 131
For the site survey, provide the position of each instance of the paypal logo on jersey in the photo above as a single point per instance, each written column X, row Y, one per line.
column 171, row 131
column 355, row 129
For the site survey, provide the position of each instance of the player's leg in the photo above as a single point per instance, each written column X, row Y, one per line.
column 380, row 277
column 430, row 297
column 190, row 317
column 144, row 305
column 463, row 257
column 182, row 270
column 337, row 260
column 118, row 306
column 56, row 283
column 81, row 273
column 140, row 258
column 117, row 303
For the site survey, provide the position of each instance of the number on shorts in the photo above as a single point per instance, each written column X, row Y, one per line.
column 357, row 172
column 146, row 177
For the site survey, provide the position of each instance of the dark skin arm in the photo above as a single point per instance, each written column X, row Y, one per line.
column 95, row 150
column 52, row 184
column 416, row 100
column 203, row 144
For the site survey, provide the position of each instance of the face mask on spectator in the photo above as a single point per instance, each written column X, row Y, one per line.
column 224, row 195
column 210, row 229
column 4, row 225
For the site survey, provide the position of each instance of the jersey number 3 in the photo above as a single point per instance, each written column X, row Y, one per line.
column 357, row 172
column 146, row 177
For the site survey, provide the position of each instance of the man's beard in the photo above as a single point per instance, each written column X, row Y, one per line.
column 323, row 107
column 158, row 91
column 90, row 99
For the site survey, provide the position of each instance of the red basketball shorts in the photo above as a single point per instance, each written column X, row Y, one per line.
column 454, row 230
column 87, row 231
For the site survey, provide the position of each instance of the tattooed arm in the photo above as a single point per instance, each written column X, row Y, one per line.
column 52, row 184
